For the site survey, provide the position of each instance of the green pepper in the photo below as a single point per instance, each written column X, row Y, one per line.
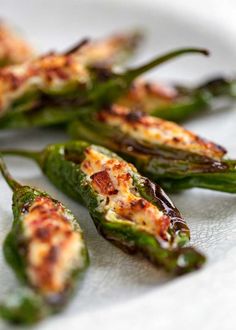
column 54, row 80
column 46, row 250
column 112, row 50
column 178, row 103
column 127, row 208
column 161, row 150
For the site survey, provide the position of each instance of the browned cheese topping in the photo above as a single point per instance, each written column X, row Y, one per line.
column 112, row 179
column 157, row 131
column 51, row 73
column 13, row 49
column 53, row 247
column 147, row 96
column 107, row 51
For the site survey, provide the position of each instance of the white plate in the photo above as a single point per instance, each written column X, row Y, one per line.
column 120, row 291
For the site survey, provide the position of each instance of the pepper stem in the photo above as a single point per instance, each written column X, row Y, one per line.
column 35, row 155
column 131, row 74
column 9, row 179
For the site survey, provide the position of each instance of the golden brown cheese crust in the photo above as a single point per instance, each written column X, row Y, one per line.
column 53, row 246
column 108, row 51
column 112, row 179
column 50, row 73
column 53, row 72
column 157, row 131
column 147, row 96
column 13, row 49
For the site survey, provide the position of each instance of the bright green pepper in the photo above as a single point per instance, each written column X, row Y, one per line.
column 47, row 252
column 127, row 208
column 161, row 150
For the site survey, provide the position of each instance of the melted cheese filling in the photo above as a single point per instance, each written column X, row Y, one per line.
column 12, row 48
column 157, row 131
column 147, row 96
column 54, row 248
column 122, row 202
column 49, row 73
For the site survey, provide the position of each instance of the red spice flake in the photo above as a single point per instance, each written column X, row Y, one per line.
column 42, row 233
column 53, row 255
column 138, row 205
column 176, row 139
column 102, row 182
column 87, row 164
column 164, row 224
column 160, row 91
column 12, row 79
column 124, row 177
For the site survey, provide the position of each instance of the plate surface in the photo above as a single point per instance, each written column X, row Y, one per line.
column 120, row 291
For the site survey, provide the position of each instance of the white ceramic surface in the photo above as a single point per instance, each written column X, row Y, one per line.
column 120, row 291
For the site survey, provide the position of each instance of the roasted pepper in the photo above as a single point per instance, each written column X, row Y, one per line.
column 46, row 250
column 54, row 80
column 177, row 103
column 127, row 208
column 161, row 150
column 13, row 49
column 109, row 51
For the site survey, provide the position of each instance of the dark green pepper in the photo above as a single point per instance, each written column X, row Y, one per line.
column 127, row 208
column 161, row 150
column 178, row 103
column 66, row 80
column 47, row 252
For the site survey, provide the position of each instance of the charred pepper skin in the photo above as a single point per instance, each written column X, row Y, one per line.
column 177, row 103
column 55, row 79
column 107, row 52
column 42, row 233
column 65, row 165
column 173, row 164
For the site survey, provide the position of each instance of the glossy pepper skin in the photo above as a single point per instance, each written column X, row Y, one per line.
column 177, row 103
column 107, row 52
column 161, row 150
column 47, row 252
column 53, row 80
column 127, row 208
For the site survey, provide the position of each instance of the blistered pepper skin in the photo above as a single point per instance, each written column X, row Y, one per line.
column 56, row 80
column 176, row 158
column 46, row 250
column 177, row 103
column 65, row 165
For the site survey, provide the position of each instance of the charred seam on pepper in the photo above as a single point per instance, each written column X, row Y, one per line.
column 21, row 86
column 46, row 249
column 127, row 209
column 155, row 131
column 113, row 180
